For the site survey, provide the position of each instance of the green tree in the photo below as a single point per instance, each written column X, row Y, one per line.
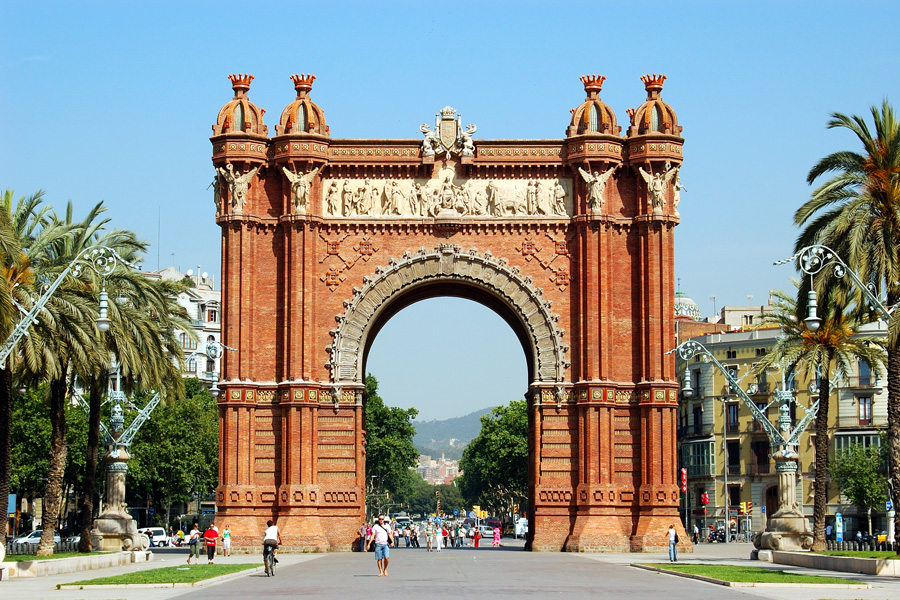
column 833, row 348
column 495, row 464
column 175, row 455
column 856, row 212
column 859, row 472
column 390, row 453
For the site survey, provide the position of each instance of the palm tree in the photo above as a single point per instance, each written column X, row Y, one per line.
column 857, row 213
column 834, row 345
column 25, row 241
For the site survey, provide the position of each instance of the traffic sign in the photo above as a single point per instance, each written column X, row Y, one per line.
column 471, row 514
column 455, row 512
column 437, row 520
column 888, row 505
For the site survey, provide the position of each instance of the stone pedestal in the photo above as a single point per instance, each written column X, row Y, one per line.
column 115, row 529
column 787, row 529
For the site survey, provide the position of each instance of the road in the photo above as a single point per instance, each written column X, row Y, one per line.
column 506, row 572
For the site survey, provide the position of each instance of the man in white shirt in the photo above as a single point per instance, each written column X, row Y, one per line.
column 382, row 536
column 271, row 539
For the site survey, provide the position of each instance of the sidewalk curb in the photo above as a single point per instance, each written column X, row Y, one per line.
column 743, row 584
column 202, row 583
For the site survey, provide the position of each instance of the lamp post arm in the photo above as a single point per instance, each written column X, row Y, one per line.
column 689, row 349
column 794, row 439
column 812, row 259
column 142, row 417
column 99, row 258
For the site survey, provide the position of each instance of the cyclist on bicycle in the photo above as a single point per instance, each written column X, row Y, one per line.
column 271, row 540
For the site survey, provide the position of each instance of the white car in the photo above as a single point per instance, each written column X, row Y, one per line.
column 159, row 539
column 33, row 537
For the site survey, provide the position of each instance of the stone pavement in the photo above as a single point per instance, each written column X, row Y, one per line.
column 506, row 572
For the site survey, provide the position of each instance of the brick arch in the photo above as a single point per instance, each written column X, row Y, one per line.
column 537, row 327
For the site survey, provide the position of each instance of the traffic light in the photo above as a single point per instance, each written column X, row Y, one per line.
column 437, row 493
column 743, row 508
column 749, row 508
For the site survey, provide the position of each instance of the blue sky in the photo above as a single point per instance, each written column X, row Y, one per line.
column 114, row 101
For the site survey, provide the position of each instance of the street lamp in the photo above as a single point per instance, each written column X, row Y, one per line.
column 787, row 528
column 101, row 260
column 213, row 350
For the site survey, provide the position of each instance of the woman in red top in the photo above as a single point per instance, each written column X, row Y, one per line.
column 477, row 536
column 210, row 536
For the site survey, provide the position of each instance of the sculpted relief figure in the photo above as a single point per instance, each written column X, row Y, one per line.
column 559, row 199
column 300, row 186
column 217, row 191
column 430, row 142
column 596, row 186
column 657, row 185
column 677, row 186
column 468, row 147
column 238, row 184
column 347, row 199
column 333, row 199
column 394, row 199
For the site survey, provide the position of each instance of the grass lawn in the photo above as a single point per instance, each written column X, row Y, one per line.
column 747, row 574
column 888, row 555
column 182, row 574
column 24, row 557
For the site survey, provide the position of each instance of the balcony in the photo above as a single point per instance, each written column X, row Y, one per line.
column 734, row 469
column 733, row 428
column 760, row 468
column 698, row 430
column 697, row 471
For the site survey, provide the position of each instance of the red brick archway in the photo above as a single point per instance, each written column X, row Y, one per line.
column 570, row 241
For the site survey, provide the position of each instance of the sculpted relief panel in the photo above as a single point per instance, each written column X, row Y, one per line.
column 447, row 196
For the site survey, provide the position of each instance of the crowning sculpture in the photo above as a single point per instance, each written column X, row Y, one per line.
column 329, row 238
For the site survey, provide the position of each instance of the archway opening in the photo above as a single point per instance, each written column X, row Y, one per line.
column 453, row 352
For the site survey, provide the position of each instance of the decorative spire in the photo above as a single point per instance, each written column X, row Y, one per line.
column 303, row 84
column 592, row 85
column 240, row 83
column 653, row 84
column 630, row 113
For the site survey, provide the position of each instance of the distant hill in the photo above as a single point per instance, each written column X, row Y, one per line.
column 449, row 436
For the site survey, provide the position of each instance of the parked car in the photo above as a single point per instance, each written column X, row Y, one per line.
column 159, row 537
column 486, row 532
column 33, row 537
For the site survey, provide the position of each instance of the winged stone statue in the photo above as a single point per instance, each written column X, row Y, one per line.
column 300, row 186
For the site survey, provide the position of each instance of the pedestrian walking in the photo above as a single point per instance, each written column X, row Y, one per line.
column 496, row 542
column 429, row 536
column 226, row 541
column 696, row 536
column 383, row 537
column 194, row 544
column 210, row 536
column 476, row 537
column 673, row 540
column 406, row 535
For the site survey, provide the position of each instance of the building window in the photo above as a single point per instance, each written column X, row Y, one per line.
column 760, row 351
column 187, row 342
column 190, row 366
column 759, row 464
column 731, row 417
column 734, row 457
column 748, row 319
column 733, row 372
column 731, row 354
column 210, row 365
column 698, row 420
column 843, row 442
column 699, row 458
column 212, row 315
column 865, row 410
column 865, row 374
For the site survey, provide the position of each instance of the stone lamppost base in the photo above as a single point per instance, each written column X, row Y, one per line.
column 115, row 531
column 785, row 530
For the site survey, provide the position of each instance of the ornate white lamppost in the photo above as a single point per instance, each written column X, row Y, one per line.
column 812, row 260
column 787, row 529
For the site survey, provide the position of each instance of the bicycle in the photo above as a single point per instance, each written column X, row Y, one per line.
column 269, row 560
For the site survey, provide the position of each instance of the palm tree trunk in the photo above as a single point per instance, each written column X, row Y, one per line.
column 893, row 416
column 5, row 422
column 86, row 510
column 820, row 485
column 58, row 450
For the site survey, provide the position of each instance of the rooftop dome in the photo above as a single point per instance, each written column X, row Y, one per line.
column 302, row 115
column 685, row 307
column 593, row 115
column 654, row 115
column 240, row 115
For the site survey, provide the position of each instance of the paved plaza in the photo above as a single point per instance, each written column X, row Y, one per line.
column 507, row 572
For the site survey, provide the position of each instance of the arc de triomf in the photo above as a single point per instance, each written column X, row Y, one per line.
column 569, row 240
